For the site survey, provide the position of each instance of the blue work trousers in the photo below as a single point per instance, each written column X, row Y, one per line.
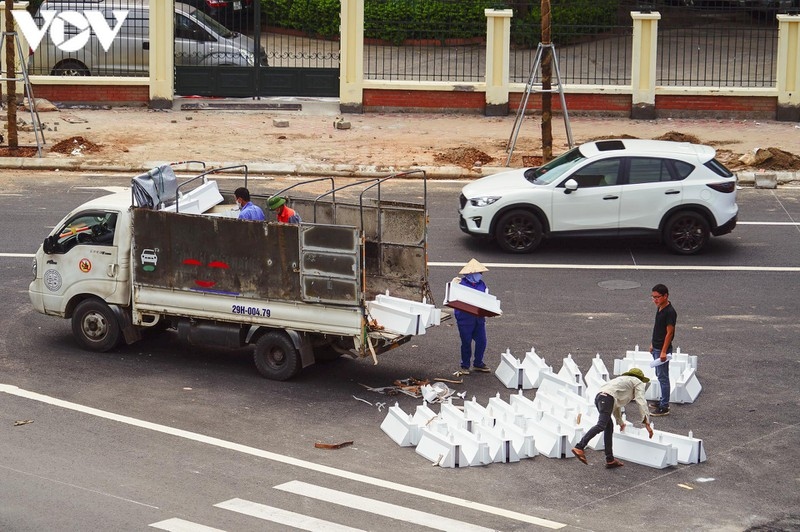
column 662, row 372
column 471, row 329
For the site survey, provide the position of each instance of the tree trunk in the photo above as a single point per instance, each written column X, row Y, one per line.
column 11, row 73
column 547, row 76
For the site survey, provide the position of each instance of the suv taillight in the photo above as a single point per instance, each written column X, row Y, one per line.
column 728, row 186
column 216, row 3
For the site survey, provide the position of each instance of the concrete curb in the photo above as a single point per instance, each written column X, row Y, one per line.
column 310, row 169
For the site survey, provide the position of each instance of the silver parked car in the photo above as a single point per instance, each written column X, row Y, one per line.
column 199, row 40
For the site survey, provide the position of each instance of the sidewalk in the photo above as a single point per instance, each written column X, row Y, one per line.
column 293, row 136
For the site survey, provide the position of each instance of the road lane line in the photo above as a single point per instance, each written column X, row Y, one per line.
column 283, row 459
column 284, row 517
column 181, row 525
column 19, row 255
column 517, row 266
column 374, row 506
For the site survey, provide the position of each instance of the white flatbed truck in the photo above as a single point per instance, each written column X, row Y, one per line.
column 121, row 264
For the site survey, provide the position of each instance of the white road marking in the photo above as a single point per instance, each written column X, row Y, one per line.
column 21, row 255
column 767, row 223
column 284, row 517
column 374, row 506
column 181, row 525
column 283, row 459
column 670, row 267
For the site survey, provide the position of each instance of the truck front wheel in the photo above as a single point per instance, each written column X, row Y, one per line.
column 95, row 326
column 276, row 357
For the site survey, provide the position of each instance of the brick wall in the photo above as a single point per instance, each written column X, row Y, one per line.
column 94, row 94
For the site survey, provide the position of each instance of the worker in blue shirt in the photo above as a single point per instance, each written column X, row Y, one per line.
column 472, row 328
column 247, row 209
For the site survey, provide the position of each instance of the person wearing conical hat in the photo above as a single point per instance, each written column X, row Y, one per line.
column 471, row 328
column 613, row 395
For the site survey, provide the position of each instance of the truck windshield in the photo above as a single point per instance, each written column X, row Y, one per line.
column 547, row 173
column 95, row 228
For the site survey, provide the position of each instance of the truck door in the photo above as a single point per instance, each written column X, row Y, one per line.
column 82, row 257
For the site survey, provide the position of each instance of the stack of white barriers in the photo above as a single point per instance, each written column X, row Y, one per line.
column 552, row 422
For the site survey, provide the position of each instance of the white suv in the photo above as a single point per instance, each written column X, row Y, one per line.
column 677, row 191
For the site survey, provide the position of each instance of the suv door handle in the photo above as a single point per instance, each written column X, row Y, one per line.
column 610, row 197
column 672, row 192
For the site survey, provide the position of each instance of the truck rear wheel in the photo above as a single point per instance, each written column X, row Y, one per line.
column 276, row 357
column 95, row 326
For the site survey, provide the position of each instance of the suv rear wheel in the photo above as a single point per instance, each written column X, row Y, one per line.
column 686, row 233
column 519, row 232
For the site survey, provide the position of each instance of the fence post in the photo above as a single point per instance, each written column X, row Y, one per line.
column 498, row 44
column 788, row 74
column 162, row 60
column 351, row 65
column 643, row 66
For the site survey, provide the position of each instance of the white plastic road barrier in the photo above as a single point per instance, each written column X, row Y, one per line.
column 396, row 320
column 690, row 449
column 534, row 366
column 684, row 385
column 596, row 377
column 439, row 449
column 501, row 410
column 454, row 416
column 470, row 300
column 430, row 316
column 424, row 416
column 516, row 442
column 570, row 371
column 552, row 383
column 400, row 427
column 632, row 447
column 686, row 388
column 198, row 200
column 511, row 372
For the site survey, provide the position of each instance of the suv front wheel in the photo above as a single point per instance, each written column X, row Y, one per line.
column 519, row 232
column 686, row 233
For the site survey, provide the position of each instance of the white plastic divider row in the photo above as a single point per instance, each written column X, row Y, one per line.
column 522, row 375
column 684, row 385
column 403, row 316
column 596, row 377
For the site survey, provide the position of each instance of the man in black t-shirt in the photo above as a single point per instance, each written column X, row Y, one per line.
column 661, row 346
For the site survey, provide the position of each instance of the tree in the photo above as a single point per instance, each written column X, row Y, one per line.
column 547, row 76
column 11, row 73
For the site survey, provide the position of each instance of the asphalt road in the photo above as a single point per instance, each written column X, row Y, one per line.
column 158, row 434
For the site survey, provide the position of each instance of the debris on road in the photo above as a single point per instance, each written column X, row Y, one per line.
column 409, row 386
column 22, row 422
column 320, row 445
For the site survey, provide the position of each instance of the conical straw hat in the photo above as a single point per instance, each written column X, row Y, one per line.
column 473, row 266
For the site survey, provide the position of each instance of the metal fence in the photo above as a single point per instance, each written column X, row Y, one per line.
column 708, row 44
column 717, row 48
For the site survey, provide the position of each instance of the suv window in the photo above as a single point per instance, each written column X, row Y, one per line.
column 648, row 170
column 598, row 174
column 718, row 168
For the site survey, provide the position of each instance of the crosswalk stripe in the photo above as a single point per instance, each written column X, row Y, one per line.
column 284, row 517
column 386, row 509
column 181, row 525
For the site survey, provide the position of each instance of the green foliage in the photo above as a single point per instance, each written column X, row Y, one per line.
column 399, row 20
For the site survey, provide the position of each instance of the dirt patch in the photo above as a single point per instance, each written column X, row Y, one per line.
column 779, row 160
column 674, row 136
column 465, row 157
column 75, row 146
column 20, row 151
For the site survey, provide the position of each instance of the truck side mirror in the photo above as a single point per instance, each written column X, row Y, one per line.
column 50, row 245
